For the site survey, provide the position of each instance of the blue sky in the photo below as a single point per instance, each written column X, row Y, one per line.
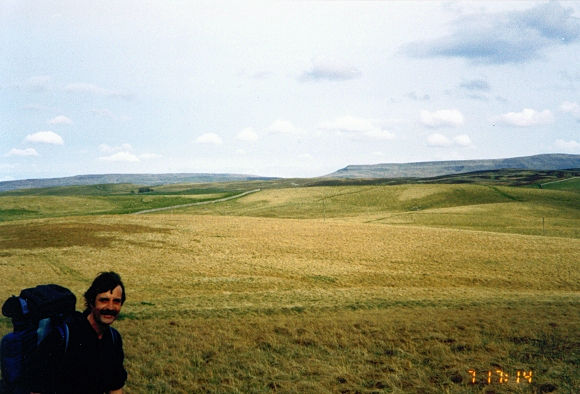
column 282, row 88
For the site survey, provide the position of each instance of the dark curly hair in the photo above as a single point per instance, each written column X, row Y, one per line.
column 104, row 282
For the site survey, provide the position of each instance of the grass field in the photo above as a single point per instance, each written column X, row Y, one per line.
column 326, row 289
column 566, row 184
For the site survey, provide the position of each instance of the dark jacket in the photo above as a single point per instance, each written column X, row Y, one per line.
column 86, row 364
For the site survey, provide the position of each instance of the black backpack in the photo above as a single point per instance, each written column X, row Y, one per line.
column 37, row 312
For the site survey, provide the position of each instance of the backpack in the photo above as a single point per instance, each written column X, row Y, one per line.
column 36, row 313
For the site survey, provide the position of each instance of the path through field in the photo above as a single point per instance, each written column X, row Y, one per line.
column 197, row 203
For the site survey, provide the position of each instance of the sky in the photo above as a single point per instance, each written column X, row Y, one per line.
column 282, row 88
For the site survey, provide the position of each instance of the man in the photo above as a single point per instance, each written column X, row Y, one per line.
column 92, row 360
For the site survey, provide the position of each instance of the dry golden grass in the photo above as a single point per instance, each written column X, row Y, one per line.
column 52, row 205
column 417, row 191
column 242, row 304
column 399, row 349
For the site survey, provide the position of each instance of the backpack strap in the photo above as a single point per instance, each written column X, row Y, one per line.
column 114, row 334
column 64, row 334
column 24, row 306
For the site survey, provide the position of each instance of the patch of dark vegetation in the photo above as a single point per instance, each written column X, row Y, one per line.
column 456, row 378
column 547, row 388
column 503, row 177
column 506, row 195
column 322, row 278
column 282, row 331
column 62, row 235
column 15, row 213
column 197, row 191
column 460, row 347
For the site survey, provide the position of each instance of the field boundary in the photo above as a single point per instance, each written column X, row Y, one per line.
column 197, row 203
column 559, row 180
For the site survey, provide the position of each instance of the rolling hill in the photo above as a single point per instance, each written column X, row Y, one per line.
column 135, row 179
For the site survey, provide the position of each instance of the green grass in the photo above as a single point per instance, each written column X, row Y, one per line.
column 20, row 207
column 475, row 207
column 567, row 184
column 91, row 190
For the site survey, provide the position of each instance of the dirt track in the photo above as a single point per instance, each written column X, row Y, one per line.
column 197, row 203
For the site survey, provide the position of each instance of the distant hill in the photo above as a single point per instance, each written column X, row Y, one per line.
column 439, row 168
column 136, row 179
column 393, row 171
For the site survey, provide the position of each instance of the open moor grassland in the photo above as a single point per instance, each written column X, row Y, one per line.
column 338, row 289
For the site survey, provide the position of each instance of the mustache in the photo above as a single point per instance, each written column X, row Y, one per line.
column 109, row 312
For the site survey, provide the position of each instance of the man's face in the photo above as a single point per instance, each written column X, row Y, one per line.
column 107, row 306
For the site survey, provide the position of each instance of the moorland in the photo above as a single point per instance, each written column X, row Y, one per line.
column 466, row 283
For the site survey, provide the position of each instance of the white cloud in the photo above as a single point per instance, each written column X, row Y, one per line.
column 104, row 148
column 247, row 134
column 437, row 139
column 149, row 156
column 45, row 137
column 121, row 156
column 85, row 88
column 440, row 140
column 124, row 152
column 22, row 152
column 567, row 146
column 61, row 119
column 442, row 118
column 209, row 138
column 330, row 70
column 359, row 126
column 379, row 134
column 462, row 140
column 571, row 108
column 526, row 118
column 284, row 127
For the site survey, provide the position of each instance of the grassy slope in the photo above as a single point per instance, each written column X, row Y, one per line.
column 566, row 184
column 99, row 199
column 330, row 288
column 126, row 198
column 476, row 207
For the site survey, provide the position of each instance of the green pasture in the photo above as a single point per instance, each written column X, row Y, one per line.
column 475, row 207
column 567, row 184
column 18, row 207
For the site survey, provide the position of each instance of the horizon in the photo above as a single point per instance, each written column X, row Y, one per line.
column 229, row 88
column 273, row 177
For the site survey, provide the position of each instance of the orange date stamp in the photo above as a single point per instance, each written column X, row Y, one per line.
column 499, row 376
